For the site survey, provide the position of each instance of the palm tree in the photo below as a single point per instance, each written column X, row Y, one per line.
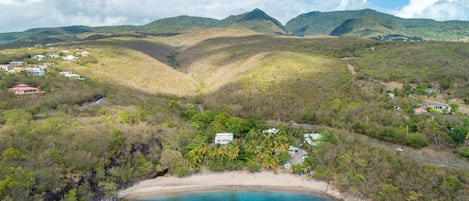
column 221, row 153
column 270, row 162
column 233, row 151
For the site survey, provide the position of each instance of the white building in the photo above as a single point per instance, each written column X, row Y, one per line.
column 70, row 58
column 270, row 131
column 223, row 138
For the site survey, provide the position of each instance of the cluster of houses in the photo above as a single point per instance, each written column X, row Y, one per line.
column 425, row 108
column 18, row 66
column 297, row 155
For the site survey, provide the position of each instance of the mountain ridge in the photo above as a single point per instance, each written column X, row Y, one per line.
column 363, row 23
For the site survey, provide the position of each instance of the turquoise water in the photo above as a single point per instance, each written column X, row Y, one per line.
column 239, row 196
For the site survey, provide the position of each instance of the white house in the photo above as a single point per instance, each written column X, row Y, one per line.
column 72, row 75
column 312, row 138
column 223, row 138
column 39, row 57
column 270, row 131
column 36, row 71
column 70, row 58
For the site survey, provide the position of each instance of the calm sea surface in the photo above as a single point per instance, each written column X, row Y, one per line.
column 238, row 196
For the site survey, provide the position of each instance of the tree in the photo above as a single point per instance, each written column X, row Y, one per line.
column 458, row 134
column 171, row 159
column 417, row 140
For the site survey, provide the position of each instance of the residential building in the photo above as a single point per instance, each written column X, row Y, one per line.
column 70, row 58
column 24, row 89
column 36, row 71
column 270, row 131
column 439, row 107
column 72, row 75
column 312, row 139
column 420, row 110
column 223, row 138
column 429, row 91
column 6, row 67
column 16, row 63
column 38, row 57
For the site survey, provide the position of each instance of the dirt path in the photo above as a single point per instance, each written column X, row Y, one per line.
column 351, row 69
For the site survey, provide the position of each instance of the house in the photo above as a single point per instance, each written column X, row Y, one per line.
column 24, row 89
column 223, row 138
column 16, row 63
column 312, row 139
column 439, row 107
column 84, row 53
column 54, row 55
column 6, row 67
column 72, row 75
column 429, row 91
column 270, row 131
column 35, row 71
column 38, row 57
column 420, row 110
column 391, row 95
column 70, row 58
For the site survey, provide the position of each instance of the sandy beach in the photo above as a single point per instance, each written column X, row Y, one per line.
column 230, row 180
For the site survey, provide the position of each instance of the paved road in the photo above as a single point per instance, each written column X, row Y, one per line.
column 392, row 148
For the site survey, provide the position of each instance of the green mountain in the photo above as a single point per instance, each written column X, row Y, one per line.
column 177, row 24
column 368, row 23
column 362, row 23
column 256, row 20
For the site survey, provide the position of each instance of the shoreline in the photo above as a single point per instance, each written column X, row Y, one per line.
column 231, row 181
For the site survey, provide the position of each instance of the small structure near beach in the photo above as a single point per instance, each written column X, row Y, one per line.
column 312, row 139
column 223, row 138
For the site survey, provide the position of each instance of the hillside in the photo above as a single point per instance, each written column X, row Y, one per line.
column 166, row 96
column 369, row 23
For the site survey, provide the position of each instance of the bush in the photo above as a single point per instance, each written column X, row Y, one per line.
column 417, row 140
column 463, row 151
column 216, row 166
column 254, row 166
column 181, row 171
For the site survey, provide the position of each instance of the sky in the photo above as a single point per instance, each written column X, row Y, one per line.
column 20, row 15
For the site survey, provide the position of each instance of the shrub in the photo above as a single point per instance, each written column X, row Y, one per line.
column 417, row 140
column 463, row 151
column 181, row 171
column 254, row 166
column 216, row 166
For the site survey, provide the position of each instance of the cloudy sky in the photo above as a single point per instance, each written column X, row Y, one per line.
column 19, row 15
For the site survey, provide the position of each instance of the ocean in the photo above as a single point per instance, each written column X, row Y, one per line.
column 238, row 196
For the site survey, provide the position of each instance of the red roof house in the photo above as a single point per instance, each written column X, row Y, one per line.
column 420, row 110
column 24, row 89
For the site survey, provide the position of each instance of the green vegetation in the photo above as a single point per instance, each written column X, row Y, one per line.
column 157, row 119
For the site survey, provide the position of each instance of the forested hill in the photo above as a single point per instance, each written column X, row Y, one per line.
column 363, row 23
column 368, row 23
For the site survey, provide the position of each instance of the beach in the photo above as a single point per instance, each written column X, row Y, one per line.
column 238, row 180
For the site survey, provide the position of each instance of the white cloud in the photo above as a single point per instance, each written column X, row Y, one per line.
column 18, row 2
column 18, row 15
column 436, row 9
